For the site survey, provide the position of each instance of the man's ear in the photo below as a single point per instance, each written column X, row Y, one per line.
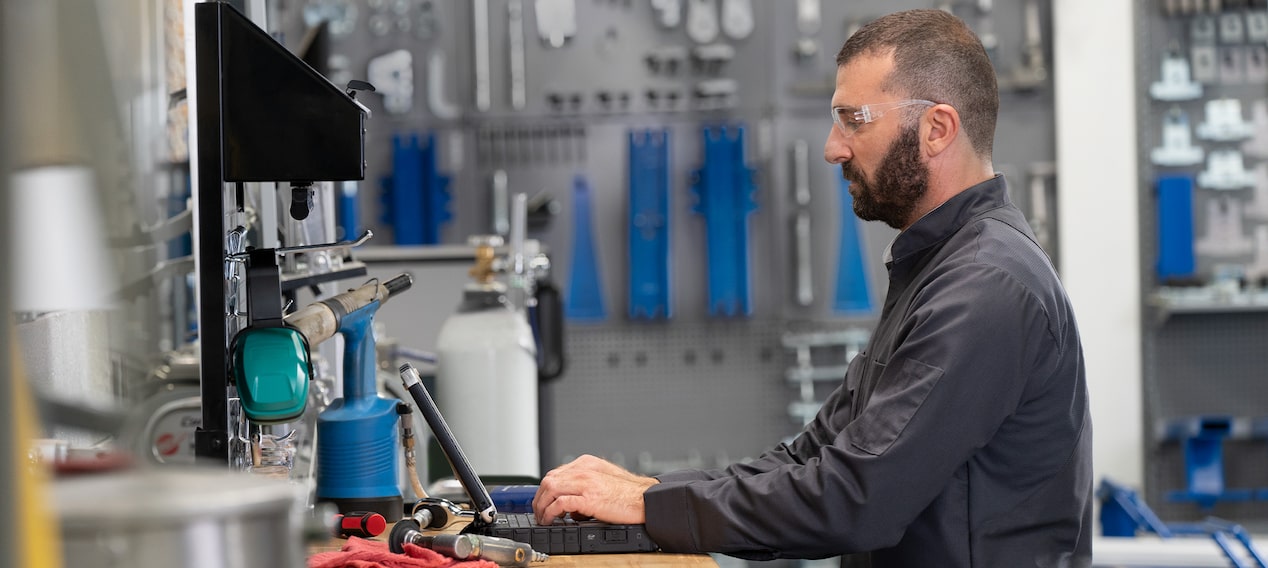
column 940, row 128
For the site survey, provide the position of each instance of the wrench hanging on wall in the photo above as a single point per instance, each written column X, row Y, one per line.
column 515, row 37
column 440, row 108
column 801, row 223
column 480, row 33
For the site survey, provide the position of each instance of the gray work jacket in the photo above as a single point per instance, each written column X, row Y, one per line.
column 960, row 437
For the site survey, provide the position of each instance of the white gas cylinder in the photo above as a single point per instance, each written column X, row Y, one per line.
column 486, row 383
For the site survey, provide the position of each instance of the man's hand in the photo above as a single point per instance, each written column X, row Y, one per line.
column 592, row 487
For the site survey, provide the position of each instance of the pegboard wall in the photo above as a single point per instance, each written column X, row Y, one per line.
column 1203, row 130
column 530, row 96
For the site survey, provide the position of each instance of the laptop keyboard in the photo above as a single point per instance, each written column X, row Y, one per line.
column 568, row 536
column 528, row 521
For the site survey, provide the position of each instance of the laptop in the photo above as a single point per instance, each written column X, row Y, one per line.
column 564, row 536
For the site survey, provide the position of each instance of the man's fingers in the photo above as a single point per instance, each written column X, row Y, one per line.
column 563, row 504
column 557, row 483
column 592, row 487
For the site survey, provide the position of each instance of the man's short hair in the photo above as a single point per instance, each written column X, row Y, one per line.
column 936, row 57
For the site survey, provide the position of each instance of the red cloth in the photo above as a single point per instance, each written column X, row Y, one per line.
column 362, row 553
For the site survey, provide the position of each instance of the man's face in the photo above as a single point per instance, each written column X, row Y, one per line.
column 882, row 159
column 891, row 194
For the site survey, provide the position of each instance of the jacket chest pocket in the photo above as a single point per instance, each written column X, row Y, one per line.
column 887, row 400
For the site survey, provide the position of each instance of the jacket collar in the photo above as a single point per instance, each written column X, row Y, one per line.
column 935, row 226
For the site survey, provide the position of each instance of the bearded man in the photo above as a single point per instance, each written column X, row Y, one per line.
column 961, row 436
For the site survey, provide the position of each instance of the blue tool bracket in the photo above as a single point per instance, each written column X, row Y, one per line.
column 1203, row 439
column 1123, row 513
column 649, row 261
column 585, row 293
column 1176, row 258
column 416, row 195
column 724, row 188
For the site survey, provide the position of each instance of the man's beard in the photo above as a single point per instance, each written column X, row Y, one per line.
column 900, row 181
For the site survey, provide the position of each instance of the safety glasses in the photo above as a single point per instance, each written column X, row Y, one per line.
column 849, row 119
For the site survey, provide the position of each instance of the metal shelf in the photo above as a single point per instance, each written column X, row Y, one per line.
column 1167, row 302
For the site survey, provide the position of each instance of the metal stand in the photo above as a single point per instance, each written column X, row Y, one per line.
column 262, row 115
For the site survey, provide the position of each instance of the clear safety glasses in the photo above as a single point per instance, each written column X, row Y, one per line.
column 848, row 119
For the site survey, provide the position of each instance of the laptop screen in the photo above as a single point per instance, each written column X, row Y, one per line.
column 486, row 513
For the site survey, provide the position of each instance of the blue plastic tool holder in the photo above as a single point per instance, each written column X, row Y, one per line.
column 1175, row 227
column 416, row 196
column 853, row 295
column 585, row 293
column 649, row 263
column 724, row 191
column 1203, row 438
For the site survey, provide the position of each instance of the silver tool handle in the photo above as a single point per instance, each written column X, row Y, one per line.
column 805, row 275
column 515, row 36
column 480, row 33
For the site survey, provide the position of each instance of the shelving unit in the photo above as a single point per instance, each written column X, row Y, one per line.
column 1202, row 75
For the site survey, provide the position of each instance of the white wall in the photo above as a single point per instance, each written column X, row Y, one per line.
column 1099, row 221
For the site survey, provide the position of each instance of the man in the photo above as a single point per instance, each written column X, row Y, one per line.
column 961, row 436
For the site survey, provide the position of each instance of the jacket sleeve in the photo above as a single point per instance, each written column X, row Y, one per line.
column 965, row 348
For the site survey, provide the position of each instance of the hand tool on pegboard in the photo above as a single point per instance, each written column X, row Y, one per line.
column 802, row 235
column 724, row 190
column 853, row 294
column 585, row 292
column 649, row 291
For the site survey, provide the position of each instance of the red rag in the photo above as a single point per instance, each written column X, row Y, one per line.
column 362, row 553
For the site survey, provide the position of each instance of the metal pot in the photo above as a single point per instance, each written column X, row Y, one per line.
column 179, row 518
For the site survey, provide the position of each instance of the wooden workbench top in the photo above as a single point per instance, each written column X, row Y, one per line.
column 639, row 560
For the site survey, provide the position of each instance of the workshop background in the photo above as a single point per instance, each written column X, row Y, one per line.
column 663, row 160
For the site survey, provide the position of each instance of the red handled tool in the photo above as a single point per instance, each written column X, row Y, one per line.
column 364, row 524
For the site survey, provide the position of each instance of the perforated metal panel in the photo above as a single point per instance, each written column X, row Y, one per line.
column 715, row 389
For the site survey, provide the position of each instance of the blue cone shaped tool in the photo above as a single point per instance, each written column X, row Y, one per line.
column 585, row 294
column 853, row 296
